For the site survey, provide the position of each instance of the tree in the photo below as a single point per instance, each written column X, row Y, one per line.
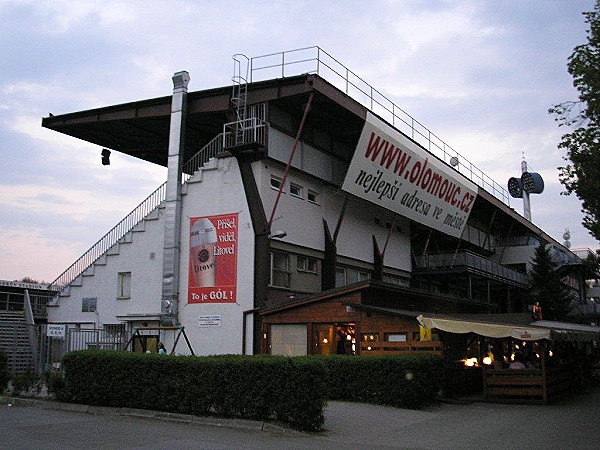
column 581, row 174
column 547, row 289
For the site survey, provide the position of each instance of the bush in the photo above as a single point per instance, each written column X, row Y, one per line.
column 55, row 382
column 4, row 373
column 261, row 387
column 256, row 387
column 26, row 381
column 408, row 381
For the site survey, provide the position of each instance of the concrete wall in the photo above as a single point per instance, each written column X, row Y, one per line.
column 303, row 220
column 140, row 254
column 217, row 190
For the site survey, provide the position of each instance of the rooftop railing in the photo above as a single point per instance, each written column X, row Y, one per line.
column 316, row 60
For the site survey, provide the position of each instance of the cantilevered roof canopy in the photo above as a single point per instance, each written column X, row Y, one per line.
column 141, row 129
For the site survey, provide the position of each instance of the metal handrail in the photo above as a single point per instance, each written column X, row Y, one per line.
column 210, row 150
column 316, row 60
column 472, row 260
column 112, row 237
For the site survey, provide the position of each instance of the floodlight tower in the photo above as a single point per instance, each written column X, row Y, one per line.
column 529, row 183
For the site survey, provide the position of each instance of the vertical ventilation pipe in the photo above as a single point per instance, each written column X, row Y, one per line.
column 172, row 239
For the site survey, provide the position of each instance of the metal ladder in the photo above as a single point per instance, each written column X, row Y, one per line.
column 241, row 65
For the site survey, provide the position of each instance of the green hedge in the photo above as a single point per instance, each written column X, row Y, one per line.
column 291, row 390
column 260, row 387
column 406, row 381
column 4, row 373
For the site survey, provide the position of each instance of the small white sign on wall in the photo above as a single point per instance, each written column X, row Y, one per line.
column 56, row 331
column 209, row 321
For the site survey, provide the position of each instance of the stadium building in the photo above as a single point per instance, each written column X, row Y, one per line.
column 303, row 212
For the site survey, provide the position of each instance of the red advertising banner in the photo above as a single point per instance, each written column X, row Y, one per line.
column 213, row 259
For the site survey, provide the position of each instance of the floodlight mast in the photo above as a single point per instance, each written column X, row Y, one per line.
column 526, row 204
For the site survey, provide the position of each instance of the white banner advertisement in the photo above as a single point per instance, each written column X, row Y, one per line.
column 390, row 170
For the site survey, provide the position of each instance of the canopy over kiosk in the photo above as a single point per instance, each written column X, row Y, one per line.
column 563, row 353
column 487, row 329
column 498, row 326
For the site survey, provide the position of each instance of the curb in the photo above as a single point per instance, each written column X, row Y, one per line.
column 220, row 422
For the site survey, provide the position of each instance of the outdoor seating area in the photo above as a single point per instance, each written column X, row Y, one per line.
column 537, row 363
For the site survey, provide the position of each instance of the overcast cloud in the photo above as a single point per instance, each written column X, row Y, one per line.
column 479, row 74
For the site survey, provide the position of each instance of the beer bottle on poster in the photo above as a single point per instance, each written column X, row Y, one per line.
column 203, row 241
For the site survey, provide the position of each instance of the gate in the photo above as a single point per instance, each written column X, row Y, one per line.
column 53, row 341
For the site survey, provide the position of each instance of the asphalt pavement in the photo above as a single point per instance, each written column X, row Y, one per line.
column 573, row 422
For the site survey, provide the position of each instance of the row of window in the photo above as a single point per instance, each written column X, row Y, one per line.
column 296, row 190
column 281, row 272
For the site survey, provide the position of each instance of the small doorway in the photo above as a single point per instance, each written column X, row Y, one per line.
column 334, row 339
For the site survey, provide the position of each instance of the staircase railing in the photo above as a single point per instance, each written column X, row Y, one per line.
column 112, row 237
column 243, row 131
column 210, row 150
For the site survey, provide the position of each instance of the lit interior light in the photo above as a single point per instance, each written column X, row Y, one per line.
column 471, row 362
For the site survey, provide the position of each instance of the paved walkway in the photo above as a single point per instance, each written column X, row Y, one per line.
column 571, row 423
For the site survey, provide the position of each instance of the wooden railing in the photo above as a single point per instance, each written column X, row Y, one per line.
column 535, row 386
column 396, row 348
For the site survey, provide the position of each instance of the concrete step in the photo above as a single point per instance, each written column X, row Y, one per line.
column 127, row 239
column 140, row 227
column 8, row 316
column 101, row 261
column 155, row 213
column 66, row 291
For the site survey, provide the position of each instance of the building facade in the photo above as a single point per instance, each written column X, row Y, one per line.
column 283, row 190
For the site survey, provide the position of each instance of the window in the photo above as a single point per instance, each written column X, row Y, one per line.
column 296, row 190
column 124, row 285
column 394, row 279
column 289, row 340
column 305, row 264
column 370, row 337
column 276, row 182
column 313, row 197
column 88, row 304
column 280, row 270
column 395, row 337
column 348, row 275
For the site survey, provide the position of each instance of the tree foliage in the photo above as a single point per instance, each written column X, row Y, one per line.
column 547, row 289
column 581, row 174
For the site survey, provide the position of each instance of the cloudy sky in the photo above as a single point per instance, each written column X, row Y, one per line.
column 480, row 74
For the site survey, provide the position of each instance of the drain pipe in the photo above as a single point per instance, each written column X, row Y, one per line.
column 172, row 239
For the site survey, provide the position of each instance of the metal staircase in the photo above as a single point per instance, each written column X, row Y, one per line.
column 14, row 340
